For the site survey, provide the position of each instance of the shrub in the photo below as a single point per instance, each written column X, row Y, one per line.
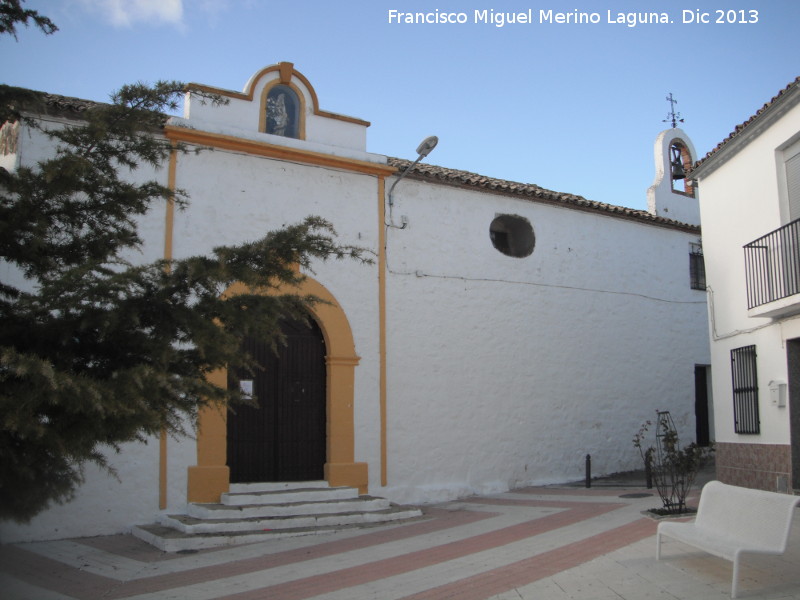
column 673, row 468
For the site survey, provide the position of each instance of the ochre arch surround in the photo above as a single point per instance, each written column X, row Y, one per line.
column 211, row 476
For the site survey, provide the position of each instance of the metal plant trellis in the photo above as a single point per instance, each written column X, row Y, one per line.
column 673, row 468
column 670, row 481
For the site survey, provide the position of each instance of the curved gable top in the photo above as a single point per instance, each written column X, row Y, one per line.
column 285, row 73
column 247, row 110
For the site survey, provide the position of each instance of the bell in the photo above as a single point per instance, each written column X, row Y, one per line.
column 677, row 170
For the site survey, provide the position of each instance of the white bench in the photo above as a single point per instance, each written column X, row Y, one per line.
column 732, row 520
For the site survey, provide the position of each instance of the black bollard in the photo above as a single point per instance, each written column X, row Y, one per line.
column 588, row 470
column 648, row 472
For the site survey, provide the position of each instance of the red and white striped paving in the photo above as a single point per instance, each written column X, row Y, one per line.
column 536, row 543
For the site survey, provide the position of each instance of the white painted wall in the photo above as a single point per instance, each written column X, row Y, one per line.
column 740, row 202
column 109, row 503
column 106, row 504
column 508, row 371
column 245, row 197
column 501, row 371
column 234, row 198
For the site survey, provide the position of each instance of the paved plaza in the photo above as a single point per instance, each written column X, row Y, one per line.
column 546, row 543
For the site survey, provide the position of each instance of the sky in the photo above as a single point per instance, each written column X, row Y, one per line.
column 572, row 107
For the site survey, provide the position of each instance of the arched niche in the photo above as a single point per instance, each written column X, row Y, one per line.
column 680, row 161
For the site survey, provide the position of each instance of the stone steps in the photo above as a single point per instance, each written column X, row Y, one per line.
column 297, row 496
column 287, row 509
column 256, row 512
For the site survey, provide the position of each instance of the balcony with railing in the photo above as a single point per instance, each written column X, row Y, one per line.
column 772, row 271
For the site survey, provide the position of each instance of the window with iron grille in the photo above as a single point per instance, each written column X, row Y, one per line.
column 697, row 267
column 745, row 390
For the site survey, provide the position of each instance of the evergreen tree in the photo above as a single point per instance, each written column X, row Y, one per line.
column 12, row 13
column 95, row 350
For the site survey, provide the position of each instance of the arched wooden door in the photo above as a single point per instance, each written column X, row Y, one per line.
column 283, row 439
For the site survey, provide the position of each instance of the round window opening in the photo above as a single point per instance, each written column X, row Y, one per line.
column 512, row 235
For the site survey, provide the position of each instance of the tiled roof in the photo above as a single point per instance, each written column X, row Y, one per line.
column 67, row 104
column 51, row 104
column 528, row 191
column 741, row 127
column 74, row 107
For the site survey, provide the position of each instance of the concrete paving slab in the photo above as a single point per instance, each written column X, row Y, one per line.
column 555, row 543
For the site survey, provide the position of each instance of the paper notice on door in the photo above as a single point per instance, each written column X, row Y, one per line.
column 246, row 386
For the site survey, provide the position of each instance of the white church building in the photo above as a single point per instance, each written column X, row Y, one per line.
column 503, row 332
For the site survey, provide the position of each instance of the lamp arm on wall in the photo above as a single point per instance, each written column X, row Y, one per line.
column 403, row 174
column 428, row 144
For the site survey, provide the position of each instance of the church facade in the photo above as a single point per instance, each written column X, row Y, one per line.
column 503, row 332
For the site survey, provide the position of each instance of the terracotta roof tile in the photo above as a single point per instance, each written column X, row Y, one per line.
column 529, row 191
column 51, row 104
column 742, row 126
column 67, row 106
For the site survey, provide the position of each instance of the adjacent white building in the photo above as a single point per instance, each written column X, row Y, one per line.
column 504, row 331
column 749, row 188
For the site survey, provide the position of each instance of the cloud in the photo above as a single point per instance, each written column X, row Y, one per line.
column 125, row 13
column 212, row 9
